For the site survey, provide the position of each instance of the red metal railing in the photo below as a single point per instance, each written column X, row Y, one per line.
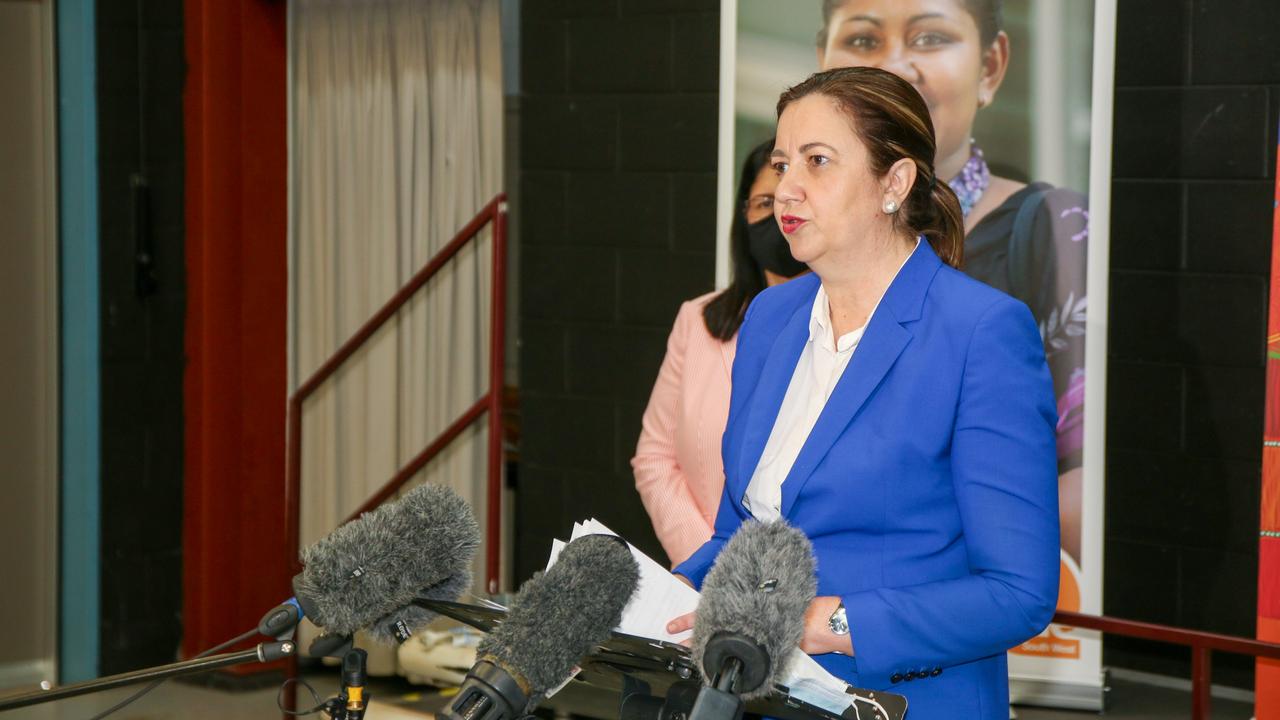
column 491, row 402
column 1202, row 645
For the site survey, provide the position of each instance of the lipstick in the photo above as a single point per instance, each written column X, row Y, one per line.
column 791, row 223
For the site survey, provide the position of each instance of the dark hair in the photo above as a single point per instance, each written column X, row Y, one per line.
column 989, row 14
column 723, row 315
column 892, row 121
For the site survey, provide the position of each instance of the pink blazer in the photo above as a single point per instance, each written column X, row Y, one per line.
column 678, row 469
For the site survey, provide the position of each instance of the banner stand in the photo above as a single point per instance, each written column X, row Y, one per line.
column 1063, row 666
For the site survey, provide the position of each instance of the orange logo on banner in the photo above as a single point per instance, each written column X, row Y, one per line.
column 1271, row 490
column 1055, row 641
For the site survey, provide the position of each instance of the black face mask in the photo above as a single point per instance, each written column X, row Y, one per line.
column 770, row 250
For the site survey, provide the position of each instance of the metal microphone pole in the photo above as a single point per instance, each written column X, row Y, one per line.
column 264, row 652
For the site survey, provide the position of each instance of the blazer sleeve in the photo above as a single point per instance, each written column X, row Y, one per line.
column 729, row 516
column 1003, row 465
column 728, row 520
column 662, row 483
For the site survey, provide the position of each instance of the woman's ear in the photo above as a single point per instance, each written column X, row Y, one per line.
column 899, row 180
column 995, row 62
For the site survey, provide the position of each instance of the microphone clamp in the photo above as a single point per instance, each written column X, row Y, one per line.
column 489, row 693
column 280, row 621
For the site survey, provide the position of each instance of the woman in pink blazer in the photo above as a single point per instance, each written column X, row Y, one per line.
column 678, row 469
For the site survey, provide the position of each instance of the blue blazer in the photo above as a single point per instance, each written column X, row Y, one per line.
column 928, row 485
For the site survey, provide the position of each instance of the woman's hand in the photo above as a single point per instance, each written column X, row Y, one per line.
column 684, row 622
column 680, row 624
column 818, row 638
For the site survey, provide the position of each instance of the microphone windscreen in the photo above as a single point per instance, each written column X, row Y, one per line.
column 759, row 587
column 401, row 623
column 561, row 615
column 366, row 569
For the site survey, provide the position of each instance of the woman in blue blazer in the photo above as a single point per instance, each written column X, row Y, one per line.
column 897, row 411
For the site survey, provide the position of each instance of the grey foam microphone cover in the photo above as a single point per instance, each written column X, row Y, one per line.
column 559, row 616
column 375, row 565
column 760, row 586
column 397, row 625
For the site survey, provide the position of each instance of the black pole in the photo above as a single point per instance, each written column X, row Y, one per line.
column 264, row 652
column 727, row 678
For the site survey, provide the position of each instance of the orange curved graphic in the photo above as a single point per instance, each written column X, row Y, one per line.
column 1267, row 680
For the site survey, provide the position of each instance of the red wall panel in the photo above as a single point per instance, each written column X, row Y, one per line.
column 235, row 385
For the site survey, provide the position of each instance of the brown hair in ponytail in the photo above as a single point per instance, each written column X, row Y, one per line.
column 892, row 121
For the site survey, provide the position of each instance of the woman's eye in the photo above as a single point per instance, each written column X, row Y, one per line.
column 861, row 42
column 818, row 160
column 779, row 167
column 764, row 203
column 930, row 39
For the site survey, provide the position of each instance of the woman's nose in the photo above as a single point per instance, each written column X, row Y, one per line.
column 897, row 60
column 788, row 190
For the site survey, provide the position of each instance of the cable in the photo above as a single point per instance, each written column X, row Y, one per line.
column 870, row 701
column 156, row 683
column 320, row 704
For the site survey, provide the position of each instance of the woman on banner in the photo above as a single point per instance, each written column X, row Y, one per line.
column 677, row 464
column 1027, row 240
column 897, row 411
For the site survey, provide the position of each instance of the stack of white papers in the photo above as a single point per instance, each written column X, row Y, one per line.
column 661, row 597
column 658, row 599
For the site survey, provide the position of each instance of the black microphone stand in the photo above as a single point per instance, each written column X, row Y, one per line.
column 352, row 700
column 743, row 664
column 637, row 702
column 264, row 652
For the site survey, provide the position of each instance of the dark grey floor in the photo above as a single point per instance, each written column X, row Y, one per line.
column 1137, row 701
column 397, row 700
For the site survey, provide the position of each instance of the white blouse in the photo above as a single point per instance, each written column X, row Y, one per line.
column 821, row 364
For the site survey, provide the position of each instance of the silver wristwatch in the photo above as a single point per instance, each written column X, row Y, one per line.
column 839, row 622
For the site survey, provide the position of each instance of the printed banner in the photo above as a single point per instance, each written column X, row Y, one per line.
column 1267, row 681
column 1011, row 96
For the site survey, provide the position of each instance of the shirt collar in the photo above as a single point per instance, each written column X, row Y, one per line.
column 820, row 327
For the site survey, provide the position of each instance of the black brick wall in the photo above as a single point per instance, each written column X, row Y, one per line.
column 617, row 227
column 1197, row 87
column 616, row 220
column 140, row 76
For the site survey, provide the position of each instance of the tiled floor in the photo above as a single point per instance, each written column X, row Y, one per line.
column 396, row 700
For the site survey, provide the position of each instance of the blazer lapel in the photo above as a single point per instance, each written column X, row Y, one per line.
column 879, row 349
column 881, row 344
column 771, row 388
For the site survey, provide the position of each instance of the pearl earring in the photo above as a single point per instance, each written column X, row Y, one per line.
column 890, row 207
